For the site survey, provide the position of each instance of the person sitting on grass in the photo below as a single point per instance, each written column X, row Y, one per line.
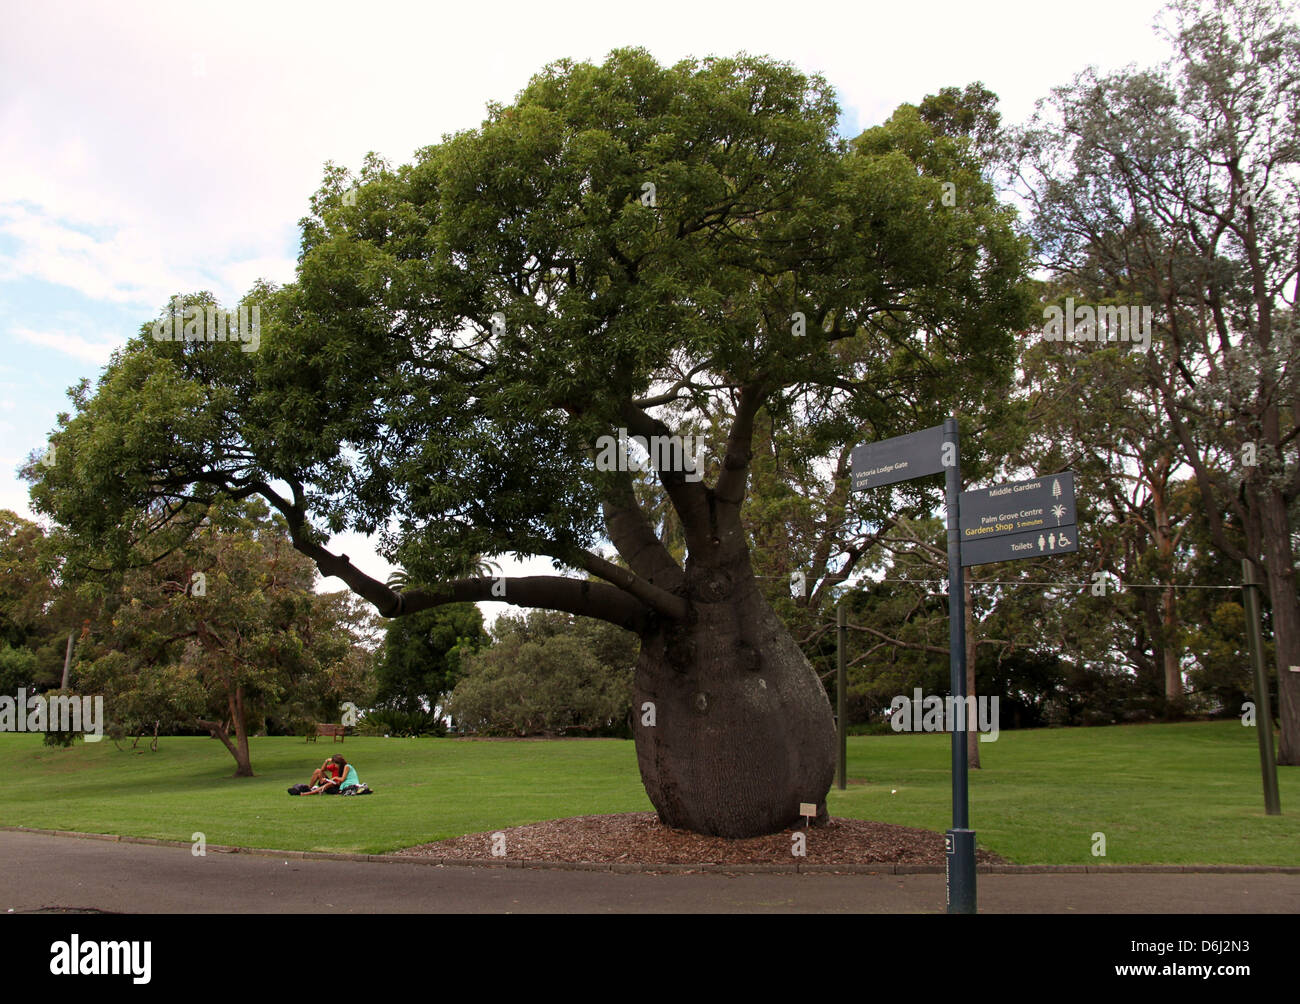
column 345, row 778
column 325, row 772
column 322, row 775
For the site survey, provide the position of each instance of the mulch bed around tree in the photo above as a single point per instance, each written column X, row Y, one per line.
column 639, row 838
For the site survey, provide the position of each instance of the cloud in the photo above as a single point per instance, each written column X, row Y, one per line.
column 113, row 263
column 96, row 352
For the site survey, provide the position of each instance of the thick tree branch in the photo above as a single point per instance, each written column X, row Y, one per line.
column 689, row 498
column 550, row 592
column 632, row 536
column 546, row 592
column 730, row 487
column 658, row 599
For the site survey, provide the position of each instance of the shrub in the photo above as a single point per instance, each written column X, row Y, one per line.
column 392, row 722
column 552, row 686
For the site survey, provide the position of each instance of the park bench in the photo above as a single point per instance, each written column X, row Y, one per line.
column 325, row 729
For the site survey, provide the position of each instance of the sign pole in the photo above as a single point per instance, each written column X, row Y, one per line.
column 959, row 842
column 1263, row 709
column 67, row 663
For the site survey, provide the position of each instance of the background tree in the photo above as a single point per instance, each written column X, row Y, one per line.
column 37, row 611
column 548, row 674
column 25, row 587
column 422, row 656
column 340, row 634
column 223, row 634
column 1090, row 410
column 1179, row 188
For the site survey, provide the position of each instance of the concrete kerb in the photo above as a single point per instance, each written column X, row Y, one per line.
column 800, row 867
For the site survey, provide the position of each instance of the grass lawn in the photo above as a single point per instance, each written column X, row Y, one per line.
column 1162, row 794
column 1172, row 794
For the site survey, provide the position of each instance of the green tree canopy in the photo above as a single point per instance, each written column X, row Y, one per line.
column 421, row 657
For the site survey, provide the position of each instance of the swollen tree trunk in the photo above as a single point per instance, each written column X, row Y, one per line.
column 733, row 728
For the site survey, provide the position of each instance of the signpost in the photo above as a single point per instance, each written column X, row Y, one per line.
column 1018, row 506
column 900, row 459
column 960, row 840
column 1021, row 519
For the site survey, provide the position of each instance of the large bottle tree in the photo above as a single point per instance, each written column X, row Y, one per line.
column 626, row 247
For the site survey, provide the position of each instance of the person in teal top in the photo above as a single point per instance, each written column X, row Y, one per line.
column 346, row 778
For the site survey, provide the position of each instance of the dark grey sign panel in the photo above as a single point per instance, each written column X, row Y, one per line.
column 899, row 459
column 1015, row 546
column 1018, row 507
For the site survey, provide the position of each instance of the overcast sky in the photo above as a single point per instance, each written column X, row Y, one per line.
column 153, row 148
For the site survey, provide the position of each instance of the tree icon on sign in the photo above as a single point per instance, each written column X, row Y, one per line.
column 1056, row 488
column 1058, row 511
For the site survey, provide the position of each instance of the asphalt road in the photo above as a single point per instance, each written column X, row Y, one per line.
column 43, row 872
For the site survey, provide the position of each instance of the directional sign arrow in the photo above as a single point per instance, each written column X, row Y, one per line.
column 899, row 459
column 1015, row 546
column 1017, row 507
